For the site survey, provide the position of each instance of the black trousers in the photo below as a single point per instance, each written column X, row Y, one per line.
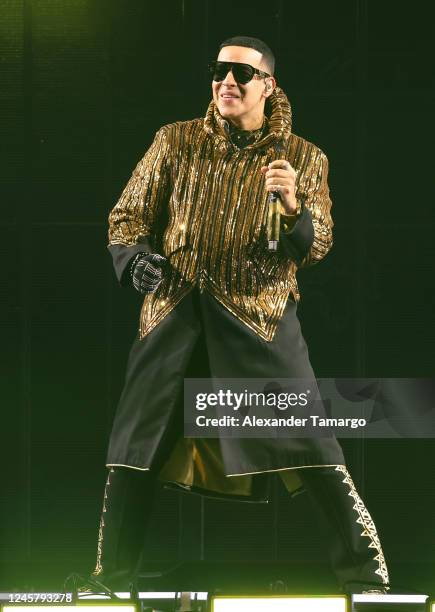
column 354, row 546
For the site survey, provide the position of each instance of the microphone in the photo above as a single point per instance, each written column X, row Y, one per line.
column 273, row 220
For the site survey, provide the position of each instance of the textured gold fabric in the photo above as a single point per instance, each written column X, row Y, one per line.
column 201, row 202
column 197, row 463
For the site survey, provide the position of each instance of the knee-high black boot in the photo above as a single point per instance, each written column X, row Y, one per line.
column 354, row 547
column 128, row 500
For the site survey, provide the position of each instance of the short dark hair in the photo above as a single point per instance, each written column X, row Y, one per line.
column 253, row 43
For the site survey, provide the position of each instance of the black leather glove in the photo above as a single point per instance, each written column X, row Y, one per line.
column 146, row 271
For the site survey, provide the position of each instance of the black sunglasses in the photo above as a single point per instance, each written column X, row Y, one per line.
column 242, row 73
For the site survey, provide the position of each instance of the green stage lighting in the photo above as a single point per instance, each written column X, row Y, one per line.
column 400, row 602
column 280, row 604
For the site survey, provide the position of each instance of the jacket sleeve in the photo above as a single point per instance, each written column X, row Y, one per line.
column 310, row 237
column 132, row 219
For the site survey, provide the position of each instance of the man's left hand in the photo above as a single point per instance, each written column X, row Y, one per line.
column 281, row 177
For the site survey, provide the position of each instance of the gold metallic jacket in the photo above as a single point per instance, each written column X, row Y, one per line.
column 200, row 201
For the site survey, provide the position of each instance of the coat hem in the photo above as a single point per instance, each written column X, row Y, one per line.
column 133, row 467
column 295, row 467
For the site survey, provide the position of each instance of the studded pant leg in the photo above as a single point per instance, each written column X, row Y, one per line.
column 128, row 500
column 354, row 546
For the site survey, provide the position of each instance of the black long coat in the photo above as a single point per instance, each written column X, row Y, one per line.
column 201, row 338
column 196, row 198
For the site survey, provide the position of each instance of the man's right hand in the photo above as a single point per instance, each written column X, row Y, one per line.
column 147, row 272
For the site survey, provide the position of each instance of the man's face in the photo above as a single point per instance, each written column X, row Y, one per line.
column 242, row 104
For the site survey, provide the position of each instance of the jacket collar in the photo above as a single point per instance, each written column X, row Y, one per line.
column 279, row 114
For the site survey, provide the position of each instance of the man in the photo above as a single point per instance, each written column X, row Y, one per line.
column 189, row 233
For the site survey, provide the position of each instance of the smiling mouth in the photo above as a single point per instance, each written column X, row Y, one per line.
column 227, row 96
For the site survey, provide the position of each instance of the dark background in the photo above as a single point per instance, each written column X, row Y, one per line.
column 85, row 85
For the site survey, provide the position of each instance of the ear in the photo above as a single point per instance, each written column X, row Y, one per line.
column 270, row 84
